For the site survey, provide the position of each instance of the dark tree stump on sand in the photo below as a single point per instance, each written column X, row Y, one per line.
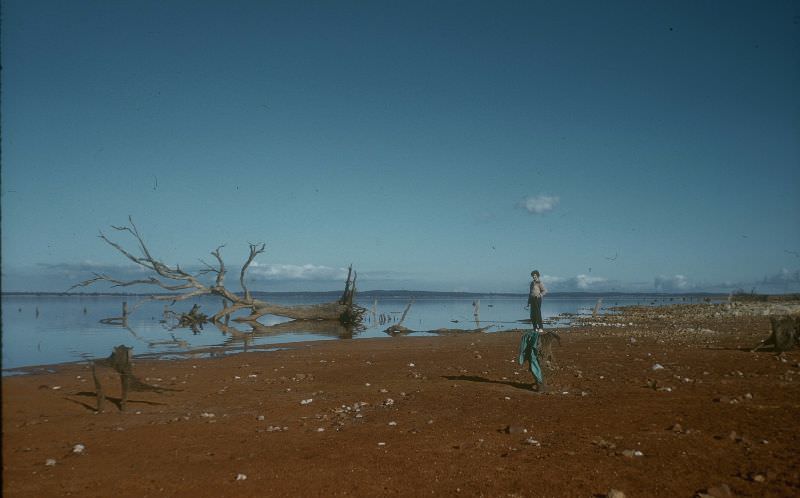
column 120, row 361
column 785, row 334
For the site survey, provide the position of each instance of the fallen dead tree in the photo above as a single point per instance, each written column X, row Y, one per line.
column 184, row 285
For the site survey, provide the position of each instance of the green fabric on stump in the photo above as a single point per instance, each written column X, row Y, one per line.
column 528, row 349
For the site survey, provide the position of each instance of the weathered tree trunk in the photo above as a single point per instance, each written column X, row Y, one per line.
column 185, row 286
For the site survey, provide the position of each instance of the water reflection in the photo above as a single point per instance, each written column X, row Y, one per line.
column 68, row 328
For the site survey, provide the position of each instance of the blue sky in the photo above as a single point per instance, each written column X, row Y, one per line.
column 453, row 146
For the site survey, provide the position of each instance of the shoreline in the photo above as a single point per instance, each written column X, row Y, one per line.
column 418, row 415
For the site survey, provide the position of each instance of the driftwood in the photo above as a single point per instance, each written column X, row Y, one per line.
column 183, row 285
column 120, row 361
column 784, row 335
column 193, row 319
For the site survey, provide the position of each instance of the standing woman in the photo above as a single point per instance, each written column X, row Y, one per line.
column 535, row 301
column 529, row 345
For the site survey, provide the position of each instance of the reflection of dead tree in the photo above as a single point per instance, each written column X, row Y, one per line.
column 183, row 285
column 396, row 330
column 318, row 327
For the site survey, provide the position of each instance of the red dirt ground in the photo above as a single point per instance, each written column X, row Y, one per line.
column 462, row 419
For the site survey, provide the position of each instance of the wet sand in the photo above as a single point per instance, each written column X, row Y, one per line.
column 413, row 416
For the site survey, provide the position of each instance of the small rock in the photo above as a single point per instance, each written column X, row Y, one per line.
column 615, row 493
column 676, row 428
column 306, row 401
column 50, row 462
column 606, row 445
column 241, row 477
column 531, row 441
column 78, row 448
column 721, row 491
column 514, row 429
column 658, row 366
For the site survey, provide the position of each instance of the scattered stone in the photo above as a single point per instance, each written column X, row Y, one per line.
column 678, row 428
column 241, row 477
column 615, row 493
column 533, row 442
column 658, row 366
column 514, row 429
column 50, row 462
column 602, row 443
column 721, row 491
column 306, row 401
column 78, row 448
column 388, row 402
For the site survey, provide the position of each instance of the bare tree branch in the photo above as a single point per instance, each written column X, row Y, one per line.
column 255, row 250
column 187, row 286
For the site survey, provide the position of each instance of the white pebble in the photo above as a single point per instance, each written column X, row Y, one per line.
column 241, row 477
column 50, row 462
column 306, row 401
column 78, row 448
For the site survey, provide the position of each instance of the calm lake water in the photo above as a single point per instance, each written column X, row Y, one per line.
column 43, row 330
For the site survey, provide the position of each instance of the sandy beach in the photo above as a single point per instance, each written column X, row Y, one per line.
column 653, row 402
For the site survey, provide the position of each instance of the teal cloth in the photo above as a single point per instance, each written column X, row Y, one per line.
column 528, row 349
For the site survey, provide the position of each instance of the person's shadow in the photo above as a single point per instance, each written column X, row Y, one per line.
column 475, row 378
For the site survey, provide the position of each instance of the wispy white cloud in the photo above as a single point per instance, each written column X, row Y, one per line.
column 580, row 282
column 296, row 272
column 783, row 277
column 674, row 283
column 539, row 204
